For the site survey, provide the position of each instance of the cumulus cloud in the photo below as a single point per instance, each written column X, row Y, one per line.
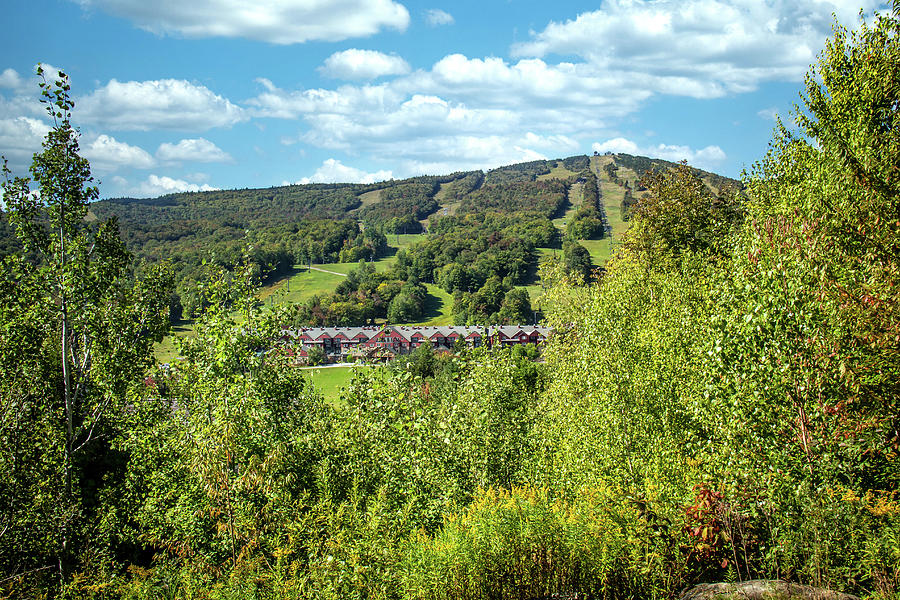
column 107, row 154
column 569, row 83
column 705, row 158
column 571, row 79
column 477, row 96
column 158, row 104
column 436, row 16
column 462, row 113
column 334, row 171
column 20, row 138
column 273, row 21
column 283, row 104
column 156, row 185
column 363, row 64
column 192, row 150
column 19, row 94
column 470, row 152
column 579, row 90
column 700, row 48
column 424, row 132
column 9, row 78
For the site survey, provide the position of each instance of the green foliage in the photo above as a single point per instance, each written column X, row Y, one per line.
column 614, row 409
column 286, row 225
column 524, row 544
column 402, row 206
column 589, row 221
column 421, row 362
column 739, row 358
column 75, row 336
column 515, row 308
column 680, row 215
column 407, row 306
column 521, row 172
column 222, row 446
column 494, row 303
column 720, row 404
column 805, row 339
column 576, row 261
column 316, row 356
column 459, row 188
column 577, row 163
column 542, row 197
column 432, row 443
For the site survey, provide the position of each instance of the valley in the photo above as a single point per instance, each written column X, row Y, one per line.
column 459, row 204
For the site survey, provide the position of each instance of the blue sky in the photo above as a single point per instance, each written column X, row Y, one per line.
column 175, row 95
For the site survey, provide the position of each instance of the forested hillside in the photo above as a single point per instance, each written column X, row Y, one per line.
column 482, row 227
column 720, row 403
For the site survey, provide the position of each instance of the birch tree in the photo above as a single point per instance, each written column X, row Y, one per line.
column 74, row 333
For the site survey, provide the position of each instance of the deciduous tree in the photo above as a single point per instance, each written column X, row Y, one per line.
column 74, row 334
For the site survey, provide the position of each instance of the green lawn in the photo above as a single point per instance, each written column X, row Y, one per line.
column 535, row 291
column 330, row 380
column 397, row 242
column 402, row 241
column 446, row 203
column 303, row 284
column 166, row 351
column 600, row 250
column 576, row 198
column 612, row 196
column 438, row 307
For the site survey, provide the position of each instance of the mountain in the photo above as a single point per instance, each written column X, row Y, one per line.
column 488, row 223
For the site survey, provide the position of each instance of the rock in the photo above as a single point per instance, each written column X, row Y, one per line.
column 761, row 589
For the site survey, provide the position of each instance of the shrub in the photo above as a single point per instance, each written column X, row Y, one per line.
column 523, row 543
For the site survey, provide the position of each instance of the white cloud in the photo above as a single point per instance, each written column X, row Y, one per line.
column 159, row 104
column 108, row 154
column 463, row 113
column 10, row 79
column 273, row 21
column 705, row 158
column 20, row 138
column 436, row 16
column 433, row 116
column 156, row 185
column 20, row 93
column 197, row 177
column 278, row 103
column 427, row 133
column 616, row 145
column 363, row 64
column 334, row 171
column 570, row 83
column 699, row 48
column 769, row 114
column 192, row 150
column 470, row 152
column 459, row 95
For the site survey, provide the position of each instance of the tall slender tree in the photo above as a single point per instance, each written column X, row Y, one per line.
column 69, row 297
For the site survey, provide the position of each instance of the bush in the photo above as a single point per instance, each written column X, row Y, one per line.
column 522, row 543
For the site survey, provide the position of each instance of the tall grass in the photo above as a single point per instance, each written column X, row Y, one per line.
column 522, row 544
